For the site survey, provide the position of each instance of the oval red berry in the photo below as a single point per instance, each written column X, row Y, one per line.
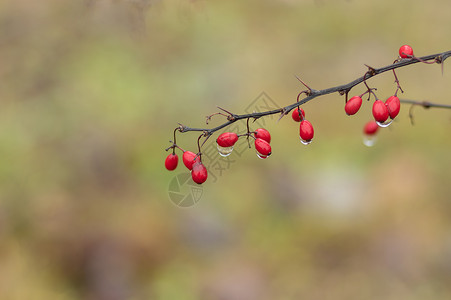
column 405, row 51
column 298, row 114
column 199, row 173
column 393, row 105
column 262, row 133
column 306, row 130
column 262, row 147
column 380, row 111
column 189, row 158
column 353, row 105
column 370, row 128
column 227, row 139
column 171, row 161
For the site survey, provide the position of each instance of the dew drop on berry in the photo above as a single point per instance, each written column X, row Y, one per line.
column 369, row 140
column 261, row 156
column 385, row 124
column 305, row 142
column 224, row 151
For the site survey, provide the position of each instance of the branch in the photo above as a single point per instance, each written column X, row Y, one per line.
column 383, row 113
column 425, row 104
column 341, row 89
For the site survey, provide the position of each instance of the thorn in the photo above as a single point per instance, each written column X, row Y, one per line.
column 282, row 114
column 300, row 80
column 225, row 110
column 371, row 70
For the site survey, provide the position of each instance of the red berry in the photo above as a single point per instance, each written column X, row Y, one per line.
column 370, row 128
column 189, row 158
column 393, row 105
column 263, row 134
column 227, row 139
column 295, row 114
column 263, row 148
column 171, row 162
column 380, row 111
column 306, row 131
column 199, row 173
column 405, row 51
column 353, row 105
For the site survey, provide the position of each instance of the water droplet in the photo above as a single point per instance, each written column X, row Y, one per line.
column 304, row 142
column 369, row 140
column 261, row 156
column 224, row 151
column 385, row 124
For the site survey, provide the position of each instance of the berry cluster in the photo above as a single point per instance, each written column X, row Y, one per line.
column 227, row 140
column 261, row 143
column 225, row 143
column 305, row 128
column 384, row 112
column 191, row 161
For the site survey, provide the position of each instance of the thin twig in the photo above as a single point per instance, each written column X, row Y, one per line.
column 425, row 104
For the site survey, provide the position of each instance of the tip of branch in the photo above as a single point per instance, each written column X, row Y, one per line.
column 181, row 127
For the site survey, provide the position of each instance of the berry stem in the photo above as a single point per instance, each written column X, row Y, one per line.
column 248, row 134
column 199, row 154
column 173, row 146
column 308, row 92
column 175, row 140
column 423, row 61
column 174, row 143
column 369, row 90
column 398, row 88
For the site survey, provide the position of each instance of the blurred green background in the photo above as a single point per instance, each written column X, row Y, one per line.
column 91, row 91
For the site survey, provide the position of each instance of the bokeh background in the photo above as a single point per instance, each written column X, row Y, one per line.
column 91, row 91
